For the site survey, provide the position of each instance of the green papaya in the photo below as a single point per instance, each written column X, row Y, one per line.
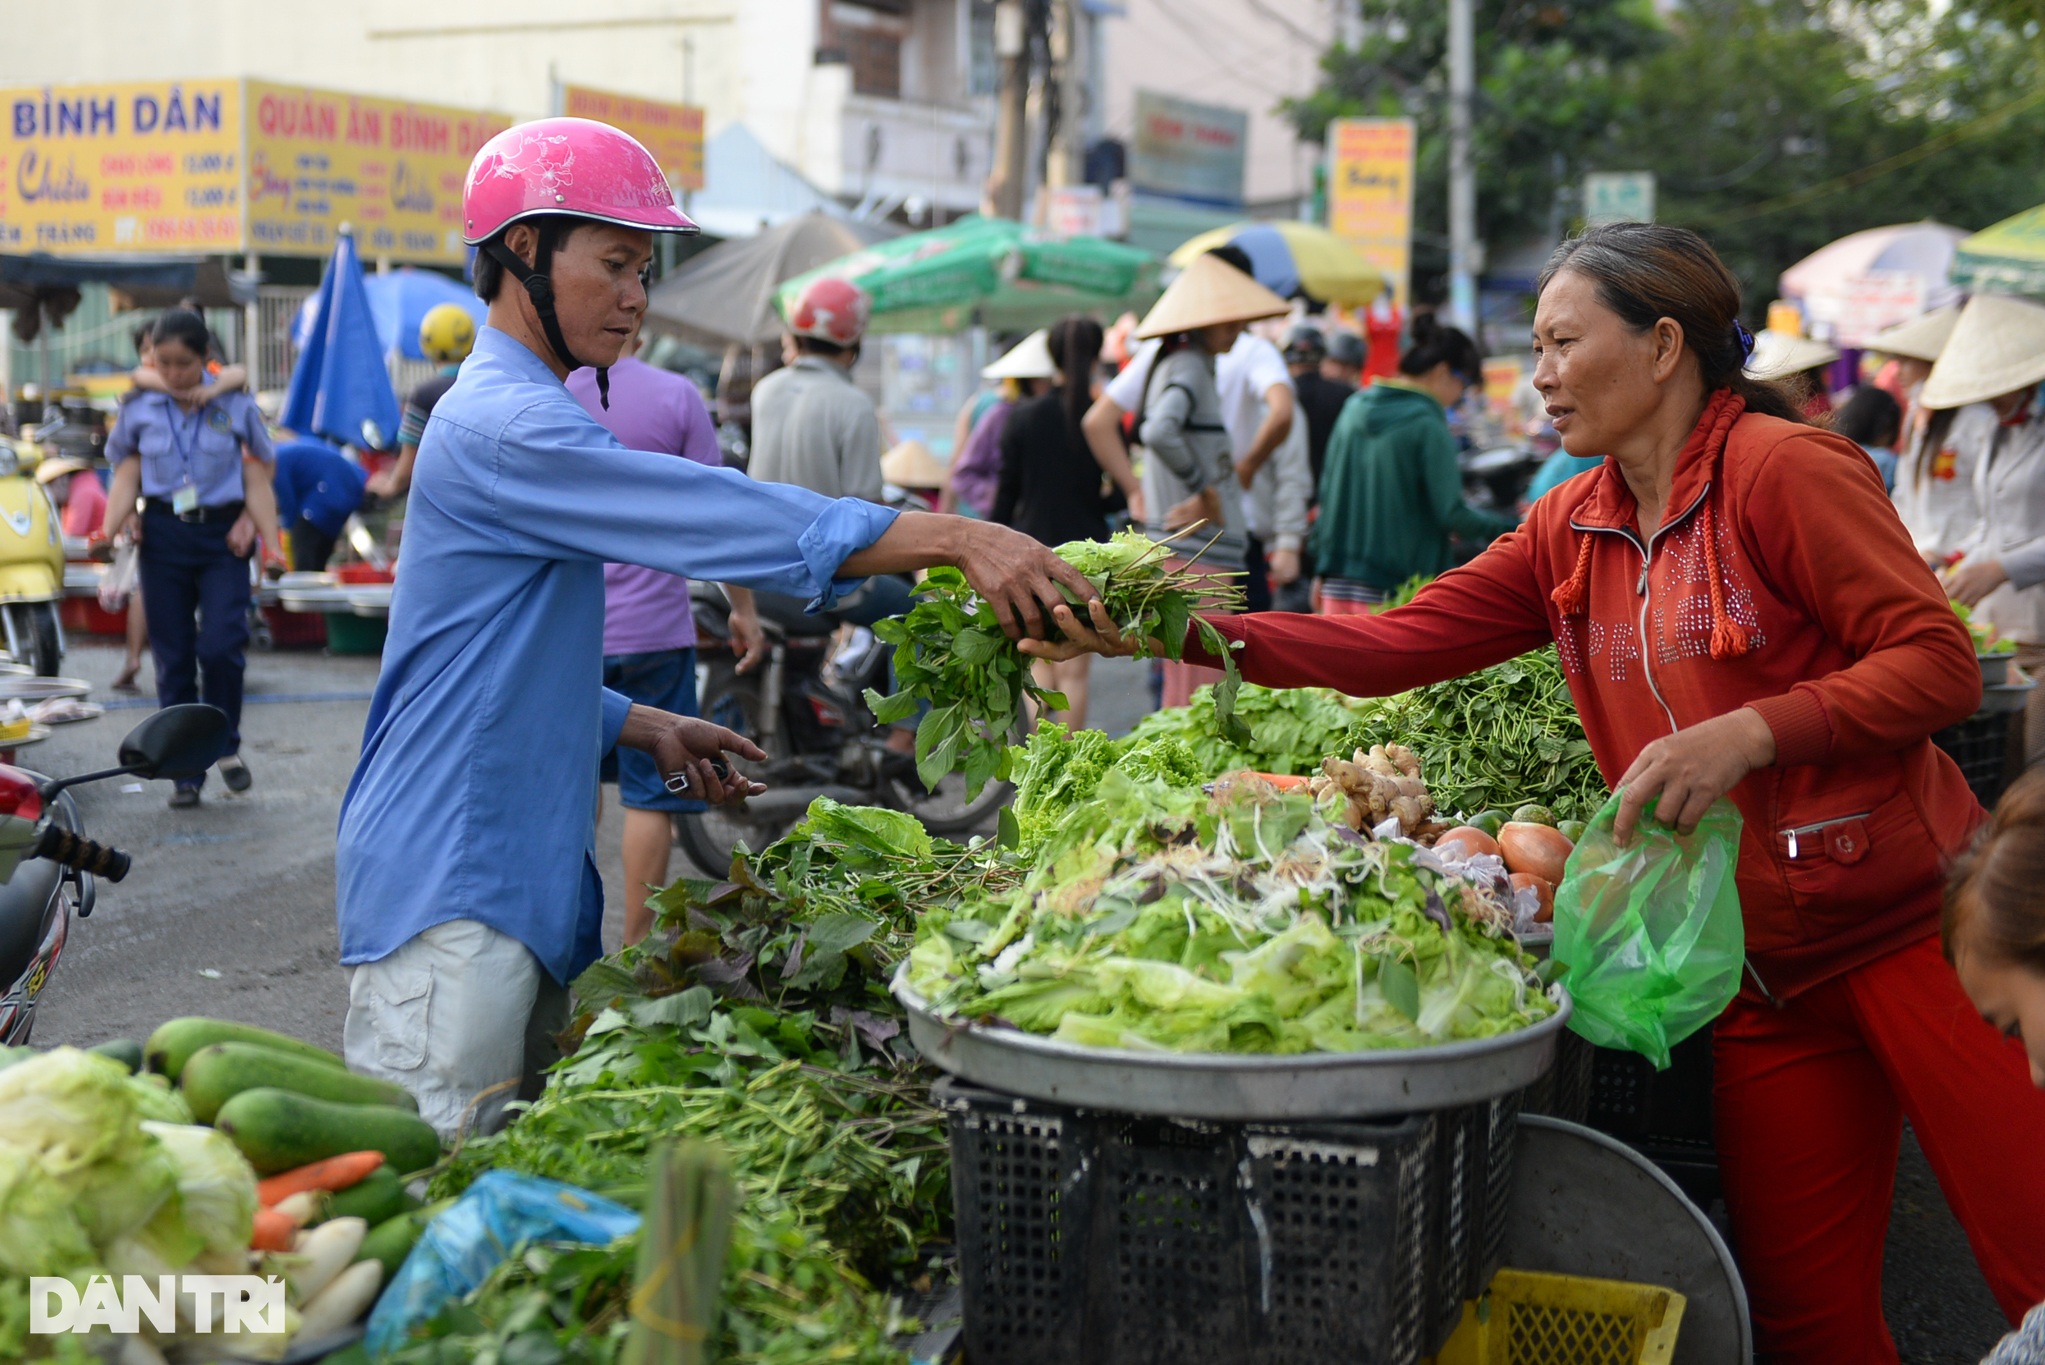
column 376, row 1198
column 126, row 1051
column 393, row 1239
column 278, row 1130
column 174, row 1042
column 217, row 1073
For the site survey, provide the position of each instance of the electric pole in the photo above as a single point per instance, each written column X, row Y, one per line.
column 1464, row 251
column 1004, row 193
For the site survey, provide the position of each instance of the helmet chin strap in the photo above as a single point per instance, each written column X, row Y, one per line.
column 539, row 287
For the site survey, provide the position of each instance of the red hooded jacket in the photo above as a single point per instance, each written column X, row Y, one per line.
column 1780, row 579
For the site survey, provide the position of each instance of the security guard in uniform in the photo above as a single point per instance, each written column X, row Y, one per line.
column 203, row 473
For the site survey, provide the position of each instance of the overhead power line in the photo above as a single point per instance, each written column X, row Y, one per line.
column 1987, row 123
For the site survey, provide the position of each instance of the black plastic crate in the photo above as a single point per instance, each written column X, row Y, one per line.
column 1091, row 1237
column 1664, row 1115
column 1564, row 1091
column 1981, row 746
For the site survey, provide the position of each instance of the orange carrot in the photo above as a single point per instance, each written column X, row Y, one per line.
column 334, row 1173
column 274, row 1231
column 1285, row 782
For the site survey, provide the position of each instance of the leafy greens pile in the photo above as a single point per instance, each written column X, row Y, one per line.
column 755, row 1016
column 951, row 653
column 1500, row 737
column 1292, row 729
column 1166, row 918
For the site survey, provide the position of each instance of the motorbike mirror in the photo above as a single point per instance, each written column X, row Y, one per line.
column 178, row 742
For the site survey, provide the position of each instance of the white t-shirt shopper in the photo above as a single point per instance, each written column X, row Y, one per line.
column 1276, row 509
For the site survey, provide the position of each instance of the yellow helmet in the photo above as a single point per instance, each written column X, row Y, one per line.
column 447, row 333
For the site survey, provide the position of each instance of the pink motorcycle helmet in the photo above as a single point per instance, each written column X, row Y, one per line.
column 566, row 165
column 555, row 168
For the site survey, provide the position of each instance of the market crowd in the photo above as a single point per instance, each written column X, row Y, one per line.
column 1747, row 561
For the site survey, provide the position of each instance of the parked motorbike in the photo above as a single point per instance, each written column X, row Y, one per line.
column 804, row 707
column 31, row 555
column 49, row 869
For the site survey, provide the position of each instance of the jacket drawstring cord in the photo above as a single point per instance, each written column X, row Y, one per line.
column 1572, row 596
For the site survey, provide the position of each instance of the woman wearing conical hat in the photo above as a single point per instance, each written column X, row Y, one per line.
column 1189, row 476
column 1995, row 362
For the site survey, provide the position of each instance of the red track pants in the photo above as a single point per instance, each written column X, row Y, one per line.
column 1810, row 1099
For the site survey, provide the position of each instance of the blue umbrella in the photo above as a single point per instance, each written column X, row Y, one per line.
column 339, row 387
column 399, row 301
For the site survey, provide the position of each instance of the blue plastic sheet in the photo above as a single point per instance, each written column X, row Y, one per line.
column 476, row 1234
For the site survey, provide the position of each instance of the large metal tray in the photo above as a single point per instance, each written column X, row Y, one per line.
column 15, row 687
column 1231, row 1086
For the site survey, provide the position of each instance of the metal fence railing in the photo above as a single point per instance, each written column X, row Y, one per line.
column 277, row 308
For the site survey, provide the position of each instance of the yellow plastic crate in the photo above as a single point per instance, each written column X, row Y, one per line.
column 1528, row 1318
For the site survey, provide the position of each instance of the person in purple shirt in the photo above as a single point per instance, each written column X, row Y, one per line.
column 649, row 621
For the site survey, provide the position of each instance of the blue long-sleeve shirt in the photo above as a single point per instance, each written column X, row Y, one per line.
column 475, row 796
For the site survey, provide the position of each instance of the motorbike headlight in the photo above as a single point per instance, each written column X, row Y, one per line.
column 10, row 460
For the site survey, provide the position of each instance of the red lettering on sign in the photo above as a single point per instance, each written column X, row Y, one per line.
column 284, row 115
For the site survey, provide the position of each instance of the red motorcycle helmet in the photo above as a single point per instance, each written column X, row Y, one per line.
column 830, row 309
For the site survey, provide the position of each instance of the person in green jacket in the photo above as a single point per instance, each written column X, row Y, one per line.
column 1391, row 491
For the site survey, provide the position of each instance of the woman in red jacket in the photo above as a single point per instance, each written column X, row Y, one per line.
column 1740, row 613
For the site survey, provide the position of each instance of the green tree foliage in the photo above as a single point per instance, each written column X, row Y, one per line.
column 1773, row 126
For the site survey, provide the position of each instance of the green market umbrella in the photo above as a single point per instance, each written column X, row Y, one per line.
column 2008, row 258
column 992, row 273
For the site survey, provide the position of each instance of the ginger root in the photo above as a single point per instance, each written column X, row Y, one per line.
column 1380, row 783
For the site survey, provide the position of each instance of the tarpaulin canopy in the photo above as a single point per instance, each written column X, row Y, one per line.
column 725, row 296
column 39, row 288
column 1291, row 258
column 991, row 272
column 1870, row 280
column 2007, row 258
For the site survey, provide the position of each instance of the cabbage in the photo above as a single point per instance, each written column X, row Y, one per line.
column 154, row 1099
column 73, row 1114
column 216, row 1186
column 69, row 1110
column 39, row 1234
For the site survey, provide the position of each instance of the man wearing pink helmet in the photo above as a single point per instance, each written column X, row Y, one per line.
column 468, row 894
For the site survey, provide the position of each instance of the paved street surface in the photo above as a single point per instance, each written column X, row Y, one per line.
column 230, row 912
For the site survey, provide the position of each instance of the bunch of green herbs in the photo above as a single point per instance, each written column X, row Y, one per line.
column 1494, row 740
column 952, row 656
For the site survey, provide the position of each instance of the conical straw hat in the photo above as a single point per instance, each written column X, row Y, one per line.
column 1029, row 358
column 1921, row 338
column 1997, row 347
column 911, row 465
column 1778, row 355
column 1208, row 291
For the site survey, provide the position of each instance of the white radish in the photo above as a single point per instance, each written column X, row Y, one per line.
column 350, row 1295
column 327, row 1250
column 300, row 1208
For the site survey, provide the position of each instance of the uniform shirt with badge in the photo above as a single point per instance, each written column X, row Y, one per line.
column 1935, row 479
column 2009, row 489
column 191, row 459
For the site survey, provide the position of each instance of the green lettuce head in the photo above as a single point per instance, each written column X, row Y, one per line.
column 73, row 1114
column 216, row 1185
column 39, row 1234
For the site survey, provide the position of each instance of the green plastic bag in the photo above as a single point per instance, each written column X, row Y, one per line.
column 1651, row 933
